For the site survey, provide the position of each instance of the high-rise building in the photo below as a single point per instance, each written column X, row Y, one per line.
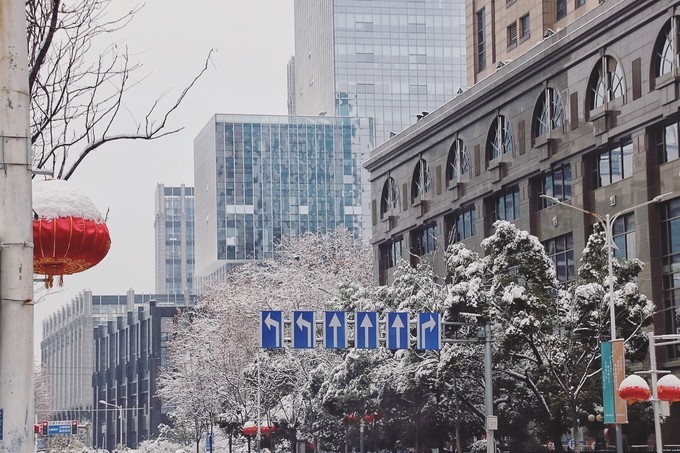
column 174, row 227
column 499, row 32
column 390, row 60
column 260, row 178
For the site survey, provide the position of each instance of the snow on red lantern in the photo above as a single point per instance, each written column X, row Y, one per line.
column 69, row 233
column 249, row 428
column 634, row 389
column 267, row 428
column 668, row 388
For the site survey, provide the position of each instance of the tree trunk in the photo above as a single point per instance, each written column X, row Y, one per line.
column 456, row 418
column 418, row 431
column 574, row 427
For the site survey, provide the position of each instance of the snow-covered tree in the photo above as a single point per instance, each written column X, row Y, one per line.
column 312, row 272
column 546, row 336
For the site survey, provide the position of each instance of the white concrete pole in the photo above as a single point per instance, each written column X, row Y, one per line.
column 16, row 234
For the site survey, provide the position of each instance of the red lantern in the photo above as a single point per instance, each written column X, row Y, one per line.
column 668, row 388
column 373, row 417
column 69, row 234
column 634, row 389
column 249, row 428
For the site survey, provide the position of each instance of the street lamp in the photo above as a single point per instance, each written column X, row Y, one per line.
column 120, row 417
column 607, row 224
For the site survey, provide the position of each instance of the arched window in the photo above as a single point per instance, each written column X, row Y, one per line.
column 390, row 197
column 500, row 140
column 549, row 112
column 666, row 52
column 606, row 83
column 458, row 163
column 422, row 180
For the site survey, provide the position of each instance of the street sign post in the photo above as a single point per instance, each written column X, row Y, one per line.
column 335, row 330
column 429, row 332
column 55, row 427
column 366, row 330
column 304, row 329
column 271, row 329
column 397, row 330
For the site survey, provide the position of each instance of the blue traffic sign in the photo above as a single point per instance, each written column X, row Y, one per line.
column 366, row 330
column 429, row 332
column 335, row 330
column 397, row 330
column 271, row 329
column 59, row 427
column 303, row 329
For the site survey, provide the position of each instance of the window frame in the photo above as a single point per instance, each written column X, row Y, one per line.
column 614, row 154
column 458, row 162
column 562, row 245
column 549, row 113
column 480, row 51
column 545, row 185
column 500, row 140
column 389, row 197
column 507, row 199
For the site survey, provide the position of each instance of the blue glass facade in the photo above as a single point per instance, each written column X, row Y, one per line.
column 267, row 177
column 385, row 59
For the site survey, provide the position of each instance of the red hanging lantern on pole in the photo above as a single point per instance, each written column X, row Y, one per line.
column 668, row 388
column 634, row 389
column 69, row 233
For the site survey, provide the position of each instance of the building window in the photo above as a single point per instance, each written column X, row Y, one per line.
column 524, row 27
column 512, row 35
column 549, row 112
column 460, row 225
column 390, row 197
column 424, row 240
column 667, row 143
column 506, row 206
column 556, row 183
column 458, row 163
column 500, row 140
column 391, row 253
column 624, row 237
column 614, row 164
column 560, row 9
column 666, row 52
column 670, row 251
column 606, row 83
column 561, row 252
column 481, row 40
column 579, row 3
column 421, row 181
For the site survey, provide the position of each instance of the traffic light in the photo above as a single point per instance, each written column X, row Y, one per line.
column 37, row 428
column 45, row 431
column 74, row 427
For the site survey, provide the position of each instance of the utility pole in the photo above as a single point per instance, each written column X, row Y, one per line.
column 16, row 235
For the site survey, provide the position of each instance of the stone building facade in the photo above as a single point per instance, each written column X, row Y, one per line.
column 590, row 116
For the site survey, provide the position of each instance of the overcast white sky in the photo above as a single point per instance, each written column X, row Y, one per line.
column 171, row 38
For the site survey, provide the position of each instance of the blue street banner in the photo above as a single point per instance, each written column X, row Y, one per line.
column 429, row 332
column 397, row 330
column 366, row 330
column 304, row 326
column 335, row 330
column 607, row 381
column 271, row 329
column 1, row 429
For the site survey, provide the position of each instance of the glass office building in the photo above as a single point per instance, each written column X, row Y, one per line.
column 260, row 178
column 390, row 60
column 174, row 228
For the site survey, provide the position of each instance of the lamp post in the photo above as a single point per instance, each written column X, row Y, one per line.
column 120, row 417
column 607, row 223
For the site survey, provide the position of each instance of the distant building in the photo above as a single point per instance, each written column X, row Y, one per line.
column 261, row 178
column 70, row 356
column 391, row 60
column 174, row 228
column 290, row 70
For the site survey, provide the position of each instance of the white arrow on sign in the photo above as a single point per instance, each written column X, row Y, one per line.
column 398, row 325
column 335, row 324
column 276, row 325
column 302, row 325
column 427, row 325
column 366, row 324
